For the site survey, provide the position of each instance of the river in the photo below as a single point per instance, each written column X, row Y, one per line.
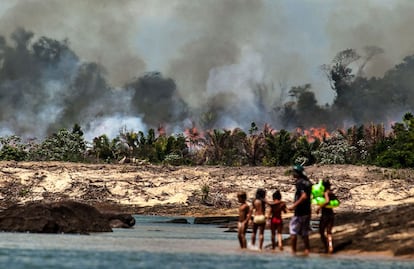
column 152, row 243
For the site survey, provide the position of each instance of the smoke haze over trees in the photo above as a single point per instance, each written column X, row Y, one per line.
column 210, row 64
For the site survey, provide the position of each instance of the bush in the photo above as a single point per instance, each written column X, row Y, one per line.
column 61, row 146
column 12, row 149
column 335, row 150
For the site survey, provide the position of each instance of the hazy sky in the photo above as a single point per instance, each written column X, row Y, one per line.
column 213, row 46
column 291, row 38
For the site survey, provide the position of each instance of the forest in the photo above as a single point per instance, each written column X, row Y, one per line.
column 368, row 144
column 48, row 97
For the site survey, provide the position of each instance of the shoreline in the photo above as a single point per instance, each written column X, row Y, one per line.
column 375, row 212
column 385, row 256
column 364, row 233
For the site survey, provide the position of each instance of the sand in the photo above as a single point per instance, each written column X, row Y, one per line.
column 211, row 190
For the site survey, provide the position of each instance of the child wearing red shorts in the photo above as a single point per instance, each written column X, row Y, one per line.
column 276, row 223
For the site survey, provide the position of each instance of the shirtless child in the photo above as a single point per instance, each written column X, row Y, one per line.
column 259, row 220
column 276, row 222
column 244, row 210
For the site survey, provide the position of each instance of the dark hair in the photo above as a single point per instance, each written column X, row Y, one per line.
column 277, row 195
column 260, row 194
column 326, row 183
column 298, row 171
column 242, row 196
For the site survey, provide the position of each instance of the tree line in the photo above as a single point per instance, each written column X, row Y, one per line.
column 365, row 144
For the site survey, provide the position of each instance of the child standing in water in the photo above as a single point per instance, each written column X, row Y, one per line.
column 259, row 219
column 244, row 210
column 276, row 222
column 327, row 218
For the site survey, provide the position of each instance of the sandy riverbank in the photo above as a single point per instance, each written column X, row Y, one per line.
column 375, row 215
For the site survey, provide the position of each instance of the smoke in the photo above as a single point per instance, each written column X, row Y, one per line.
column 219, row 64
column 105, row 125
column 238, row 81
column 99, row 31
column 384, row 24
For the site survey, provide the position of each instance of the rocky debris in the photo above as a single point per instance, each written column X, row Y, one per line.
column 59, row 217
column 178, row 221
column 119, row 220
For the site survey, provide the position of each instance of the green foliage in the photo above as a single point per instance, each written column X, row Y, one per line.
column 61, row 146
column 173, row 159
column 399, row 152
column 279, row 149
column 171, row 149
column 234, row 152
column 146, row 147
column 335, row 150
column 368, row 141
column 363, row 144
column 303, row 150
column 253, row 128
column 254, row 148
column 12, row 149
column 225, row 147
column 24, row 192
column 215, row 144
column 104, row 149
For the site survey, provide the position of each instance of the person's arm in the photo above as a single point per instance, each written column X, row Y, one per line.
column 326, row 195
column 302, row 198
column 249, row 215
column 284, row 208
column 268, row 212
column 246, row 209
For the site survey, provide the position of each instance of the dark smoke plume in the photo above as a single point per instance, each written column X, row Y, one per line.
column 140, row 64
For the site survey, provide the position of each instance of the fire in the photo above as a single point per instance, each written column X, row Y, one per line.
column 161, row 130
column 314, row 133
column 269, row 130
column 194, row 137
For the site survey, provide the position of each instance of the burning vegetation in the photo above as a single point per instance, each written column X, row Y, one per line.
column 45, row 88
column 368, row 144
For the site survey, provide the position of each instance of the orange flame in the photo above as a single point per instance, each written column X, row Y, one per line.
column 267, row 129
column 194, row 137
column 313, row 134
column 161, row 130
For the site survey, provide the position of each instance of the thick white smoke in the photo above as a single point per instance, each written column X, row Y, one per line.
column 238, row 80
column 111, row 126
